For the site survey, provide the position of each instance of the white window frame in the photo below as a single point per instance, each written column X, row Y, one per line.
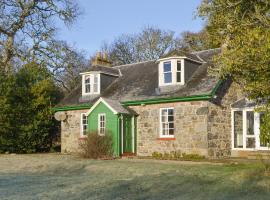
column 178, row 71
column 160, row 122
column 82, row 125
column 92, row 83
column 244, row 125
column 99, row 124
column 86, row 84
column 168, row 72
column 173, row 71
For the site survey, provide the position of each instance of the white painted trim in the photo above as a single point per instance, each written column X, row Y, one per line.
column 179, row 57
column 96, row 104
column 81, row 125
column 173, row 71
column 99, row 115
column 256, row 130
column 92, row 75
column 160, row 123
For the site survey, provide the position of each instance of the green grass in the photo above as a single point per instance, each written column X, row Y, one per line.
column 66, row 177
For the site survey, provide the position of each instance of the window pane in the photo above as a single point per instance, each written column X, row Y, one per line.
column 171, row 132
column 170, row 118
column 167, row 67
column 87, row 79
column 250, row 123
column 171, row 125
column 165, row 125
column 87, row 88
column 163, row 118
column 95, row 88
column 250, row 142
column 170, row 111
column 238, row 129
column 179, row 66
column 164, row 132
column 164, row 112
column 178, row 77
column 168, row 77
column 95, row 79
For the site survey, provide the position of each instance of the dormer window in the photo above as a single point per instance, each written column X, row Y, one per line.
column 90, row 84
column 171, row 72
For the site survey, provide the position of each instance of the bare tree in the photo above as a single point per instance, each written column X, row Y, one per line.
column 150, row 43
column 27, row 27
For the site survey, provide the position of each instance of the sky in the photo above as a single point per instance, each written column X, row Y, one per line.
column 103, row 20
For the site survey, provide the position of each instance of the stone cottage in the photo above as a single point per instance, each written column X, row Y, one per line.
column 169, row 104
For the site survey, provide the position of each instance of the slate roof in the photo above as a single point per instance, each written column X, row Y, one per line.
column 184, row 54
column 139, row 81
column 243, row 103
column 104, row 69
column 116, row 105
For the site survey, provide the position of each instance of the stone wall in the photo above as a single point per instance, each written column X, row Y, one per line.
column 190, row 128
column 219, row 120
column 70, row 131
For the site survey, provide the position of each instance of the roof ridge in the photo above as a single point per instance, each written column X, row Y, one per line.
column 103, row 66
column 136, row 63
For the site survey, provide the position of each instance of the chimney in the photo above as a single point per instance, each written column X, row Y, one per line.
column 102, row 60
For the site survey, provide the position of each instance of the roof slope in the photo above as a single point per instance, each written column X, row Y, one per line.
column 139, row 81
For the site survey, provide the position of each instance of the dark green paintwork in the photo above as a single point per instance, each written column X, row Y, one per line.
column 111, row 124
column 127, row 134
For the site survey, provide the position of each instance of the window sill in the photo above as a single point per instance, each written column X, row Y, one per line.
column 166, row 139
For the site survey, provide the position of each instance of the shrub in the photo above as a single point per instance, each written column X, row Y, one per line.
column 192, row 157
column 177, row 155
column 157, row 155
column 96, row 146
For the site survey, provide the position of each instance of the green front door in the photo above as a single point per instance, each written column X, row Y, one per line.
column 127, row 135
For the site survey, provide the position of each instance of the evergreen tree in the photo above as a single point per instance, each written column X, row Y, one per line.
column 26, row 117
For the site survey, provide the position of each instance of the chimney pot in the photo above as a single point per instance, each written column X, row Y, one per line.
column 102, row 59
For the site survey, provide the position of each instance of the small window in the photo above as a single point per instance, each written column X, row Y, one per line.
column 95, row 85
column 101, row 124
column 178, row 72
column 167, row 122
column 84, row 124
column 91, row 84
column 87, row 84
column 167, row 71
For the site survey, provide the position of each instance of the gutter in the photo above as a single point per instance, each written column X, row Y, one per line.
column 203, row 97
column 78, row 107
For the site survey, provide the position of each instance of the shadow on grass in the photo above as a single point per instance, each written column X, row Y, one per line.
column 122, row 182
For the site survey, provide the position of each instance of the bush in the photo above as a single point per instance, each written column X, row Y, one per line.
column 96, row 146
column 177, row 155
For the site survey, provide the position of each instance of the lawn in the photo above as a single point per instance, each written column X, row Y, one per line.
column 53, row 176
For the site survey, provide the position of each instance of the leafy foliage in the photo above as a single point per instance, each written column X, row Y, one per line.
column 96, row 146
column 26, row 118
column 243, row 28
